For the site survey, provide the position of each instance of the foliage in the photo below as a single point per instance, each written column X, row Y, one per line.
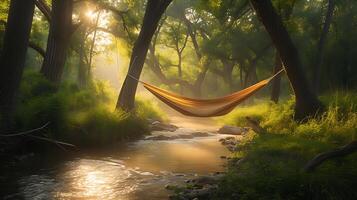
column 84, row 117
column 273, row 163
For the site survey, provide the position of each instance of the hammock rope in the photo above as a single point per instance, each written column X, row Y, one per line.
column 205, row 107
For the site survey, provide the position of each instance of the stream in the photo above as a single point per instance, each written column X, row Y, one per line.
column 137, row 170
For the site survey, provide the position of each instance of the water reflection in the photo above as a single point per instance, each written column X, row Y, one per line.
column 139, row 172
column 179, row 156
column 92, row 179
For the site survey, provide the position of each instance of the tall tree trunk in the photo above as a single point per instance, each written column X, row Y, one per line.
column 91, row 51
column 82, row 68
column 179, row 67
column 276, row 83
column 13, row 56
column 197, row 86
column 321, row 44
column 58, row 40
column 275, row 88
column 307, row 103
column 241, row 75
column 153, row 13
column 251, row 76
column 227, row 72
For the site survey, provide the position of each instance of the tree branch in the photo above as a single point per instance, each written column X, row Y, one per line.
column 25, row 132
column 44, row 8
column 37, row 48
column 322, row 157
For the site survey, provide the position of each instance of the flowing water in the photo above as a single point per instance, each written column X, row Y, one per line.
column 138, row 170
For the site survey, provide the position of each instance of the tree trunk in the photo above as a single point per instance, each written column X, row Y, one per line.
column 179, row 66
column 153, row 13
column 197, row 86
column 58, row 40
column 91, row 51
column 227, row 73
column 13, row 57
column 251, row 76
column 307, row 103
column 321, row 44
column 275, row 85
column 82, row 68
column 241, row 75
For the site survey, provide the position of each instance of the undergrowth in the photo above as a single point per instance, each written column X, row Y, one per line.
column 272, row 165
column 83, row 117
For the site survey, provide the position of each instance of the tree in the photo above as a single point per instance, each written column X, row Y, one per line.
column 60, row 31
column 154, row 11
column 321, row 44
column 275, row 85
column 307, row 103
column 285, row 9
column 177, row 40
column 13, row 56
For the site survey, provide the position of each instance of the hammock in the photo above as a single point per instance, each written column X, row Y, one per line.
column 205, row 107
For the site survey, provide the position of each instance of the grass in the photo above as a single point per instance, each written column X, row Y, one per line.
column 83, row 117
column 273, row 163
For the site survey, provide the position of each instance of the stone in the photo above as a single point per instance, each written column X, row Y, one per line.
column 232, row 130
column 223, row 157
column 206, row 180
column 160, row 137
column 185, row 136
column 200, row 134
column 160, row 126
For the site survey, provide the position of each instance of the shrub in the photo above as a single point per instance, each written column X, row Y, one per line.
column 273, row 163
column 84, row 117
column 100, row 127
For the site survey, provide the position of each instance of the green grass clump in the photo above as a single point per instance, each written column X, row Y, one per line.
column 148, row 109
column 83, row 117
column 273, row 163
column 100, row 127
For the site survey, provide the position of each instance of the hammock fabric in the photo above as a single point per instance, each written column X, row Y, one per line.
column 206, row 107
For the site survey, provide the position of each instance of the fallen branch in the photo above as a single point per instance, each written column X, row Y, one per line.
column 322, row 157
column 28, row 134
column 254, row 124
column 25, row 132
column 52, row 141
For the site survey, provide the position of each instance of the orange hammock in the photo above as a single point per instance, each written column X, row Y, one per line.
column 205, row 107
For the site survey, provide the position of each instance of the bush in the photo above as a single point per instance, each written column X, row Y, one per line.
column 100, row 127
column 83, row 117
column 273, row 163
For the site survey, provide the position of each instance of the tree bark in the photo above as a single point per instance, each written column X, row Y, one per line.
column 321, row 45
column 307, row 103
column 58, row 40
column 275, row 85
column 153, row 13
column 16, row 40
